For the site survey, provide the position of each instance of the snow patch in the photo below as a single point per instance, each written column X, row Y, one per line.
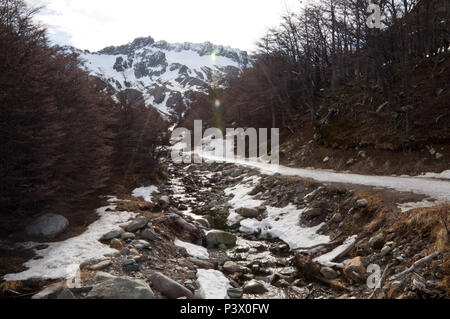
column 213, row 284
column 443, row 175
column 193, row 250
column 62, row 259
column 406, row 207
column 145, row 192
column 242, row 198
column 283, row 223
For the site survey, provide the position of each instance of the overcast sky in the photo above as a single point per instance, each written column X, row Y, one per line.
column 95, row 24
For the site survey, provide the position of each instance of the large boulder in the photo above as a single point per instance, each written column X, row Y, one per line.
column 217, row 238
column 47, row 226
column 168, row 287
column 121, row 288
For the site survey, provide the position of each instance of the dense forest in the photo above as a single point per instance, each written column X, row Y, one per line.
column 385, row 87
column 63, row 138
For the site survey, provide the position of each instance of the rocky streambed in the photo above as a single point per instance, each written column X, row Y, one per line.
column 215, row 230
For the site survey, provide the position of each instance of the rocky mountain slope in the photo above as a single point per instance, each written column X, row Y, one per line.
column 164, row 73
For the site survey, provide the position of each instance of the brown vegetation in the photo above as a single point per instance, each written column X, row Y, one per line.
column 63, row 139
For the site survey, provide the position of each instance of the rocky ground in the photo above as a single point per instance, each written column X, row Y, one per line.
column 368, row 236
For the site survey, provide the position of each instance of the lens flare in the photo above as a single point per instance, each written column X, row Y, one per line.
column 217, row 103
column 213, row 56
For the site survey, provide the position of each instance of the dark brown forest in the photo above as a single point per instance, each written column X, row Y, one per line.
column 63, row 139
column 324, row 66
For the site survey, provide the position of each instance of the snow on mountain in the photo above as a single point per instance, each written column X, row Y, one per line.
column 164, row 73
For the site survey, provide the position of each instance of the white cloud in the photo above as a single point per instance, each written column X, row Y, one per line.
column 95, row 24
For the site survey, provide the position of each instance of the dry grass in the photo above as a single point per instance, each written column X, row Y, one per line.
column 427, row 223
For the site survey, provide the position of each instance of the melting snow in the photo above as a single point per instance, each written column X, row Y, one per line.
column 145, row 192
column 406, row 207
column 282, row 223
column 62, row 259
column 193, row 250
column 241, row 194
column 443, row 175
column 213, row 284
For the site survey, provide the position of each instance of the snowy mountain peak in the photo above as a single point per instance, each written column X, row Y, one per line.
column 165, row 73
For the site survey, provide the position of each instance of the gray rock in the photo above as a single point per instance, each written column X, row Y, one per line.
column 140, row 244
column 50, row 292
column 254, row 287
column 101, row 265
column 128, row 236
column 130, row 265
column 137, row 224
column 329, row 273
column 47, row 226
column 121, row 288
column 231, row 267
column 112, row 235
column 235, row 293
column 65, row 294
column 248, row 212
column 386, row 250
column 216, row 238
column 312, row 212
column 149, row 234
column 362, row 203
column 164, row 200
column 337, row 218
column 116, row 244
column 168, row 287
column 102, row 276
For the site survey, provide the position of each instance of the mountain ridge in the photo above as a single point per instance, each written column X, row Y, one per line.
column 164, row 73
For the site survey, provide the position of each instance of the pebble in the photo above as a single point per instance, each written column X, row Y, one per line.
column 235, row 293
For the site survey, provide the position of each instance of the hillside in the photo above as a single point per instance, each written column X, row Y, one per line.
column 367, row 135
